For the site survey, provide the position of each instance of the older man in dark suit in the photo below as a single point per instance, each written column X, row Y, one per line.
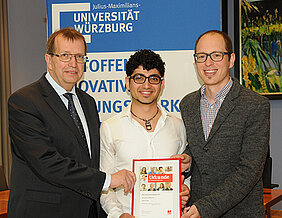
column 54, row 129
column 227, row 128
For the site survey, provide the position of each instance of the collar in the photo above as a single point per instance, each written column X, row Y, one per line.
column 222, row 93
column 59, row 89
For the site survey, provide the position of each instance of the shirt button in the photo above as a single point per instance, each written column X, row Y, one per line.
column 211, row 106
column 210, row 125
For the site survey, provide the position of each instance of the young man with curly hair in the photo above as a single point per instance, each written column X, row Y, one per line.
column 142, row 130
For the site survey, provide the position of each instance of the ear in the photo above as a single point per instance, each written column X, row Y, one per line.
column 127, row 83
column 48, row 62
column 232, row 60
column 162, row 84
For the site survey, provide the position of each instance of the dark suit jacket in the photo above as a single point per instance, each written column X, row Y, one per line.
column 227, row 168
column 52, row 173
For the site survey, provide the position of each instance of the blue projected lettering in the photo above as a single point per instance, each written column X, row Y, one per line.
column 117, row 106
column 106, row 65
column 170, row 106
column 102, row 85
column 112, row 106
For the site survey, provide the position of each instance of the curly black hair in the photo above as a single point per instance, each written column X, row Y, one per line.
column 146, row 58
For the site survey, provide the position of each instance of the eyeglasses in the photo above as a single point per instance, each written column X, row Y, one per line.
column 216, row 56
column 66, row 57
column 140, row 79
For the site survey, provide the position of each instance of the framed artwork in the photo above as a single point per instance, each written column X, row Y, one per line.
column 258, row 36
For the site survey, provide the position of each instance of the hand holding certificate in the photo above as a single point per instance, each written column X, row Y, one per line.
column 185, row 193
column 123, row 178
column 157, row 188
column 185, row 161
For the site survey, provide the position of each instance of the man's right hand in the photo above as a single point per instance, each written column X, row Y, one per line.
column 123, row 178
column 126, row 215
column 191, row 212
column 185, row 193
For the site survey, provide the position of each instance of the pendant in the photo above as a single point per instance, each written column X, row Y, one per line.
column 148, row 125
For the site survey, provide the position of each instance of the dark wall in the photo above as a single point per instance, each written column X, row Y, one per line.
column 27, row 38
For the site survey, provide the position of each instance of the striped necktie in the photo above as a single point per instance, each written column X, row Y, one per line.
column 74, row 114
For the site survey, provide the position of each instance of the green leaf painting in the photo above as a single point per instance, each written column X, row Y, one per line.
column 261, row 34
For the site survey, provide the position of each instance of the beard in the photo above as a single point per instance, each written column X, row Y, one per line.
column 146, row 103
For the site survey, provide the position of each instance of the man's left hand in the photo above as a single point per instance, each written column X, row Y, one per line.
column 185, row 161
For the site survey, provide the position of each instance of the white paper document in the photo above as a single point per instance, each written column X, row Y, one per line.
column 157, row 188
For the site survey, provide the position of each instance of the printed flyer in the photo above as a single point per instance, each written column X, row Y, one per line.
column 157, row 188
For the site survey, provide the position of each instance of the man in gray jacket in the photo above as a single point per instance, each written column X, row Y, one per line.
column 227, row 128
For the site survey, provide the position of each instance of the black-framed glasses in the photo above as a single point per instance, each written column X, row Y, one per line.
column 216, row 56
column 140, row 79
column 66, row 57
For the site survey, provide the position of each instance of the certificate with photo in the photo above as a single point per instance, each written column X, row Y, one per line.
column 157, row 188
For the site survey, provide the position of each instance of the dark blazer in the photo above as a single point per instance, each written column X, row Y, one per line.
column 52, row 173
column 226, row 178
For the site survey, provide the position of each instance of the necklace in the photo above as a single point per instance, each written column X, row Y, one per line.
column 147, row 122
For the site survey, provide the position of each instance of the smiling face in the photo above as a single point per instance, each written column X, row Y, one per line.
column 145, row 93
column 66, row 74
column 214, row 73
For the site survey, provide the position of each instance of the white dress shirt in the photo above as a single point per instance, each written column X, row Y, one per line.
column 124, row 139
